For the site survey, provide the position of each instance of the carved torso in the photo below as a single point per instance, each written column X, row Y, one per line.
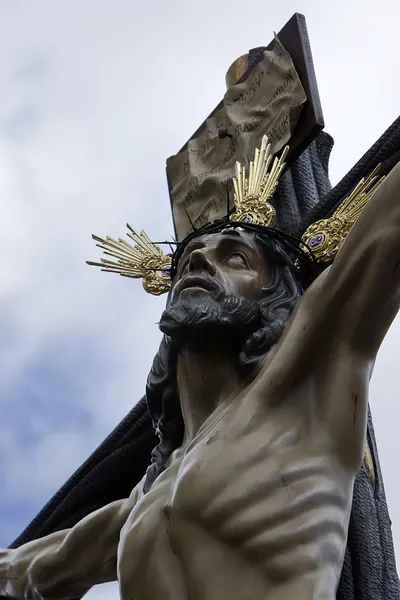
column 256, row 506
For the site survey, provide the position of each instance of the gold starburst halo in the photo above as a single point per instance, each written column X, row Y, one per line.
column 326, row 237
column 143, row 260
column 251, row 194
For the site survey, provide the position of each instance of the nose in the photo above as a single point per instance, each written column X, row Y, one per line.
column 200, row 261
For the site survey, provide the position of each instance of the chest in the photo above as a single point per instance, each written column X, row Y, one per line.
column 244, row 476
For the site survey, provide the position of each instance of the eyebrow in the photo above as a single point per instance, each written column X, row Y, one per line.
column 234, row 236
column 229, row 236
column 192, row 246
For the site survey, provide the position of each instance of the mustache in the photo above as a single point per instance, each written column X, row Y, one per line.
column 188, row 320
column 203, row 280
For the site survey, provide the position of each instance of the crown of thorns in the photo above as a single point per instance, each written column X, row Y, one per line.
column 252, row 212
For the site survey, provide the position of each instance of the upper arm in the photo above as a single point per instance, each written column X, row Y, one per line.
column 68, row 563
column 92, row 543
column 358, row 297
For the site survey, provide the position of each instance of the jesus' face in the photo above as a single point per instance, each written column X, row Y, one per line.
column 217, row 289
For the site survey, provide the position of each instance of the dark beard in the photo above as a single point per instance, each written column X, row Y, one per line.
column 202, row 319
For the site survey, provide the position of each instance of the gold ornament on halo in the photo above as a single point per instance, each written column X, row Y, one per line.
column 253, row 192
column 251, row 197
column 325, row 237
column 143, row 260
column 147, row 261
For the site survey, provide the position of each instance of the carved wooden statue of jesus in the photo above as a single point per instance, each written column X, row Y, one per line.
column 271, row 375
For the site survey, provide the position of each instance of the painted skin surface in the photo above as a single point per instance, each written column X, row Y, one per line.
column 256, row 502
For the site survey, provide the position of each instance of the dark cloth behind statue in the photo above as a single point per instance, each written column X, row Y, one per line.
column 369, row 571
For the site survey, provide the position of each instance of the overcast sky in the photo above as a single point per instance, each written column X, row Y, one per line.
column 95, row 95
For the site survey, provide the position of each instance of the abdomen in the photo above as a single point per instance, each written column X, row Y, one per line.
column 275, row 502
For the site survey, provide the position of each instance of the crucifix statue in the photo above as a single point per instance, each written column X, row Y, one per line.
column 249, row 469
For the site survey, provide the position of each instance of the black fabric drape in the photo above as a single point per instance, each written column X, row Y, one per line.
column 109, row 474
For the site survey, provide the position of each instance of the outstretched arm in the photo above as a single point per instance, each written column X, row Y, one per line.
column 339, row 325
column 361, row 290
column 66, row 564
column 351, row 305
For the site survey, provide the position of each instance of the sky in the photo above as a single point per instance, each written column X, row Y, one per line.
column 95, row 95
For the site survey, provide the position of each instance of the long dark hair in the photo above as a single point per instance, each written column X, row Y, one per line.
column 285, row 287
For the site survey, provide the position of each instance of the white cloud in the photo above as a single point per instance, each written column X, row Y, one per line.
column 94, row 98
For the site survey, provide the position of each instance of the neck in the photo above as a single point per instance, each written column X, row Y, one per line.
column 206, row 379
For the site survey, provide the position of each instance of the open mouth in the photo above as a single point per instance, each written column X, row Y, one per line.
column 192, row 281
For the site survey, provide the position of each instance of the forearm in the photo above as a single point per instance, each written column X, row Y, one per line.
column 68, row 563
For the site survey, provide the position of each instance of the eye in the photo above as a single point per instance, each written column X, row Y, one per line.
column 237, row 258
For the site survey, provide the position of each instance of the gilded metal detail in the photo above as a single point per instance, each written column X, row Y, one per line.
column 253, row 192
column 143, row 260
column 325, row 237
column 236, row 70
column 251, row 197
